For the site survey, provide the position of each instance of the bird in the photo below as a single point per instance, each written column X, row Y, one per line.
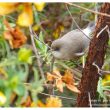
column 73, row 44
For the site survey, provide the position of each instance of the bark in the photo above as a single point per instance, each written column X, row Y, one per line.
column 97, row 50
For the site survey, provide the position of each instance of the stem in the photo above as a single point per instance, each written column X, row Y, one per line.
column 37, row 54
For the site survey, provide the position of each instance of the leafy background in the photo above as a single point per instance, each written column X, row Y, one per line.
column 21, row 84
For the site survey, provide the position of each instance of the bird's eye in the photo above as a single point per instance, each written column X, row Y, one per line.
column 56, row 49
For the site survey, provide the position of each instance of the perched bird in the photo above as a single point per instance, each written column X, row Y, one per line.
column 73, row 44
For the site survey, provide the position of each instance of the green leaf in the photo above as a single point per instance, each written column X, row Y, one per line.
column 36, row 17
column 13, row 83
column 100, row 88
column 39, row 43
column 24, row 55
column 20, row 90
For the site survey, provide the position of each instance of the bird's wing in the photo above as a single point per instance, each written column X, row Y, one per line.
column 79, row 54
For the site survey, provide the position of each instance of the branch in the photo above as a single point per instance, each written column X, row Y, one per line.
column 36, row 53
column 57, row 96
column 76, row 23
column 100, row 71
column 52, row 63
column 96, row 54
column 95, row 12
column 101, row 31
column 90, row 104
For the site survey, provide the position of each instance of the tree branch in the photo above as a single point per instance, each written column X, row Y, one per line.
column 37, row 54
column 95, row 12
column 97, row 51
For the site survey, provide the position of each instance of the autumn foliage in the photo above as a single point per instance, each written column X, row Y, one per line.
column 26, row 33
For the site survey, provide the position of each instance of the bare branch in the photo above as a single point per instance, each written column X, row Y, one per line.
column 57, row 96
column 52, row 64
column 100, row 71
column 101, row 31
column 83, row 62
column 76, row 23
column 90, row 104
column 36, row 53
column 96, row 9
column 95, row 12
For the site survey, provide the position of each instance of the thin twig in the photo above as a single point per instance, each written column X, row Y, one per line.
column 96, row 9
column 83, row 61
column 52, row 64
column 76, row 23
column 90, row 104
column 95, row 12
column 105, row 72
column 100, row 71
column 57, row 96
column 101, row 31
column 36, row 53
column 10, row 17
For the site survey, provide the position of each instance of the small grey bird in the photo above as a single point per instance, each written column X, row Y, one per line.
column 73, row 44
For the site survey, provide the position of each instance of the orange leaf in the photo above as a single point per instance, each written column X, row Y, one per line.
column 15, row 36
column 53, row 102
column 68, row 77
column 59, row 85
column 27, row 102
column 72, row 88
column 50, row 77
column 12, row 98
column 8, row 36
column 57, row 73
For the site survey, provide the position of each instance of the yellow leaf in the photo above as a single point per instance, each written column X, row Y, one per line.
column 39, row 6
column 58, row 30
column 3, row 74
column 2, row 99
column 33, row 104
column 6, row 8
column 72, row 88
column 36, row 27
column 53, row 102
column 107, row 77
column 26, row 17
column 40, row 104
